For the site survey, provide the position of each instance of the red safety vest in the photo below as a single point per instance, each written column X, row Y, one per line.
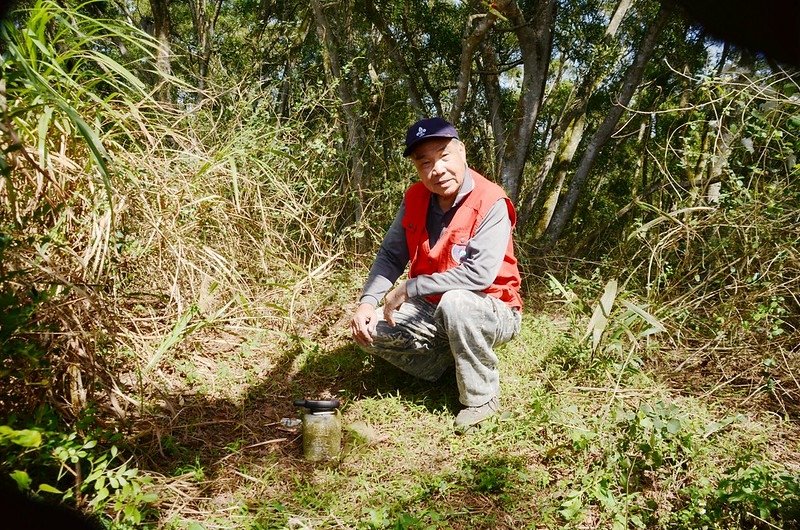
column 451, row 246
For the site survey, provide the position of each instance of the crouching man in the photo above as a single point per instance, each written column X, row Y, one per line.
column 462, row 297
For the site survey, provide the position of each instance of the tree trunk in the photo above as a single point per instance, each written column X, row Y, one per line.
column 701, row 158
column 535, row 40
column 491, row 84
column 204, row 26
column 639, row 179
column 354, row 128
column 162, row 31
column 571, row 142
column 414, row 94
column 574, row 110
column 616, row 18
column 472, row 39
column 289, row 64
column 726, row 134
column 555, row 149
column 566, row 207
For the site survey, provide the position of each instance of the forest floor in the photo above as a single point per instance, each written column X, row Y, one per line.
column 583, row 441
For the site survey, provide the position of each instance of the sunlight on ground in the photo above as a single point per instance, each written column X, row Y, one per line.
column 573, row 447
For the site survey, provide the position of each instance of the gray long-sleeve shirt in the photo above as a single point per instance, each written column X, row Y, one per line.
column 484, row 252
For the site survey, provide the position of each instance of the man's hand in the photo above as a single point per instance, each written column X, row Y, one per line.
column 393, row 300
column 363, row 324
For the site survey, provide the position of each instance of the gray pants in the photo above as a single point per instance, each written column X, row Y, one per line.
column 461, row 330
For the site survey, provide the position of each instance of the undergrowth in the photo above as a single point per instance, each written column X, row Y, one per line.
column 173, row 276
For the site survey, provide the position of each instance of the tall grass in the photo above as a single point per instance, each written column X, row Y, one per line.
column 135, row 214
column 724, row 271
column 66, row 98
column 132, row 231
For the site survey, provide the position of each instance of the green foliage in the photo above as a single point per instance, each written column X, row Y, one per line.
column 654, row 435
column 627, row 451
column 76, row 469
column 617, row 332
column 496, row 474
column 25, row 438
column 751, row 493
column 663, row 444
column 723, row 268
column 50, row 67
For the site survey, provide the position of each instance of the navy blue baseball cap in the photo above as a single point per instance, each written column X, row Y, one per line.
column 425, row 130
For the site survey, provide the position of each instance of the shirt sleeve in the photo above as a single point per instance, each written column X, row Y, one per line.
column 390, row 262
column 485, row 253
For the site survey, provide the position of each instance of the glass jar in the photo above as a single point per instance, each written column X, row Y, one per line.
column 322, row 429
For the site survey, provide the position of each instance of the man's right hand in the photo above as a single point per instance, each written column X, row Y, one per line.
column 365, row 319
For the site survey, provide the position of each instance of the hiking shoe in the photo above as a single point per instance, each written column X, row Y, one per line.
column 471, row 416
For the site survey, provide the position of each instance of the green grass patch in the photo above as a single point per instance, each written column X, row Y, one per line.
column 573, row 448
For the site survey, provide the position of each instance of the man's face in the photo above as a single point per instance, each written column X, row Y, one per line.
column 441, row 164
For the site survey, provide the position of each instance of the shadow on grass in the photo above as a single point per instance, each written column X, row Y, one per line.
column 232, row 455
column 195, row 434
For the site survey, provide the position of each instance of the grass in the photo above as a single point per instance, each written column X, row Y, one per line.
column 572, row 448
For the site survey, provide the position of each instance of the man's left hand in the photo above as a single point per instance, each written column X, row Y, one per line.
column 394, row 300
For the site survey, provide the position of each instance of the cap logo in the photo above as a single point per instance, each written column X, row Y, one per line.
column 421, row 132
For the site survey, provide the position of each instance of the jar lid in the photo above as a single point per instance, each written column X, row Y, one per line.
column 318, row 405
